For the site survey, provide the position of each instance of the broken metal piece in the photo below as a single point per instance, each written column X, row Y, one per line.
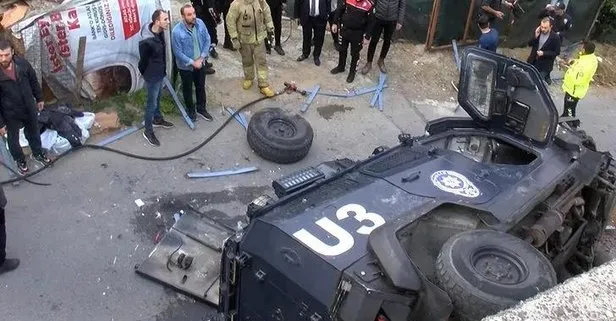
column 313, row 93
column 240, row 118
column 178, row 104
column 456, row 56
column 118, row 136
column 379, row 92
column 187, row 258
column 206, row 174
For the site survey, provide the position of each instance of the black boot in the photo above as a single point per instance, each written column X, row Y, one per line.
column 352, row 70
column 341, row 64
column 9, row 265
column 351, row 76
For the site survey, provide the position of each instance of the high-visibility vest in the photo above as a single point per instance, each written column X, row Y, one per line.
column 579, row 75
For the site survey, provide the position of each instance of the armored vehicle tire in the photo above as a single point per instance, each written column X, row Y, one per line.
column 587, row 141
column 486, row 271
column 279, row 137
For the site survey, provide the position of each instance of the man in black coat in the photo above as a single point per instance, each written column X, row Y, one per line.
column 561, row 20
column 5, row 264
column 153, row 68
column 276, row 10
column 207, row 11
column 313, row 16
column 21, row 98
column 224, row 6
column 545, row 48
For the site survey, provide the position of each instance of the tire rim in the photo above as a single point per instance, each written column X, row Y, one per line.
column 281, row 128
column 498, row 266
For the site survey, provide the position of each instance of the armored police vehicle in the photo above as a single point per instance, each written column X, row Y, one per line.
column 464, row 221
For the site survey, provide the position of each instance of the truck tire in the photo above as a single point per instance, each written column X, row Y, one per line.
column 279, row 137
column 486, row 271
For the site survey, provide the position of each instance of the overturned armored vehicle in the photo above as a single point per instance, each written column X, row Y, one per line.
column 467, row 220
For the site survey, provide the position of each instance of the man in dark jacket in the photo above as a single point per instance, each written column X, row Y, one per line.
column 330, row 20
column 21, row 98
column 152, row 65
column 561, row 20
column 276, row 10
column 388, row 15
column 5, row 264
column 545, row 48
column 313, row 16
column 224, row 6
column 356, row 18
column 207, row 11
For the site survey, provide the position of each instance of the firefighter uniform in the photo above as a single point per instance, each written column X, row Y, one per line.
column 249, row 23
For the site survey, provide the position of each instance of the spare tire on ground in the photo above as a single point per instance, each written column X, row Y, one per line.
column 279, row 137
column 486, row 271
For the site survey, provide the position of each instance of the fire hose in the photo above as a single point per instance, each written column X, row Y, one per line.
column 287, row 89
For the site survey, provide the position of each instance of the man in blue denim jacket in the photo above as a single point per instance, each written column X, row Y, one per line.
column 191, row 44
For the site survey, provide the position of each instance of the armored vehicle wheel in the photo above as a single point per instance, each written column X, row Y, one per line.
column 486, row 271
column 587, row 141
column 279, row 137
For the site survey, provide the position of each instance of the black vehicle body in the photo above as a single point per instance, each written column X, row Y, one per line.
column 360, row 240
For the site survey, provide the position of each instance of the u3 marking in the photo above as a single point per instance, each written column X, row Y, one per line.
column 345, row 240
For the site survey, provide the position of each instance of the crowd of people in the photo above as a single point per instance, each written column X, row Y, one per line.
column 546, row 43
column 252, row 27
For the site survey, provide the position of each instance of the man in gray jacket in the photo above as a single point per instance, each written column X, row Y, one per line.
column 5, row 264
column 389, row 16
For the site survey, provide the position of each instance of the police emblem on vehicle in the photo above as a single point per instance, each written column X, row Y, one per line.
column 454, row 183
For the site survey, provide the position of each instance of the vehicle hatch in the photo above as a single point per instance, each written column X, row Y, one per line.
column 505, row 94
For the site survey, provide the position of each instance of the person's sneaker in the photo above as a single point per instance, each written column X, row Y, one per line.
column 9, row 265
column 209, row 71
column 337, row 70
column 162, row 123
column 205, row 115
column 151, row 138
column 381, row 65
column 22, row 165
column 366, row 69
column 246, row 84
column 214, row 53
column 279, row 50
column 208, row 64
column 42, row 159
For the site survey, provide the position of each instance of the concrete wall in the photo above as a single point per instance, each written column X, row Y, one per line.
column 590, row 296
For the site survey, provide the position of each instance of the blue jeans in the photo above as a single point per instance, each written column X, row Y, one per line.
column 152, row 107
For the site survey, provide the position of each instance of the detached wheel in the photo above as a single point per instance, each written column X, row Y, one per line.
column 279, row 137
column 486, row 271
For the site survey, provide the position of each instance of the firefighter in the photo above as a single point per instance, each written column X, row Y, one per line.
column 249, row 23
column 356, row 19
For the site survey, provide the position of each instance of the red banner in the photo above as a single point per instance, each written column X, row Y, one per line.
column 130, row 17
